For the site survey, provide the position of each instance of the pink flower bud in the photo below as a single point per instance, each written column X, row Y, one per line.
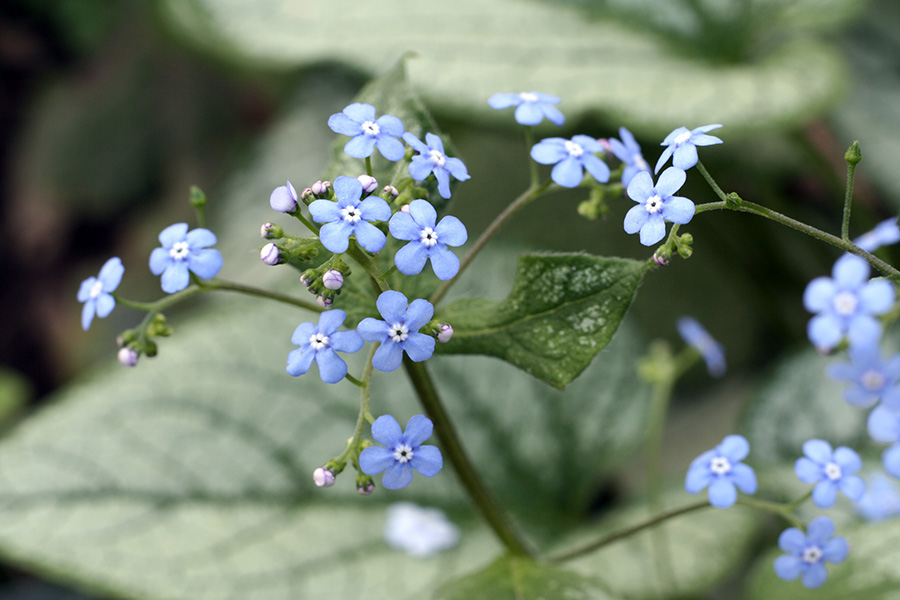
column 324, row 301
column 404, row 208
column 320, row 188
column 127, row 357
column 445, row 333
column 368, row 182
column 270, row 254
column 365, row 489
column 333, row 279
column 323, row 477
column 391, row 191
column 660, row 260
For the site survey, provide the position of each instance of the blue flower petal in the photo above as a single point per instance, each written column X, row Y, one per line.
column 392, row 306
column 818, row 450
column 456, row 167
column 877, row 297
column 423, row 213
column 419, row 313
column 819, row 530
column 419, row 346
column 814, row 575
column 864, row 330
column 420, row 167
column 386, row 431
column 444, row 263
column 500, row 101
column 549, row 151
column 392, row 126
column 788, row 567
column 375, row 459
column 663, row 158
column 416, row 145
column 418, row 429
column 596, row 167
column 792, row 540
column 697, row 478
column 403, row 227
column 332, row 367
column 427, row 460
column 641, row 187
column 173, row 234
column 200, row 238
column 670, row 181
column 847, row 460
column 397, row 476
column 388, row 356
column 330, row 321
column 302, row 333
column 159, row 261
column 722, row 493
column 175, row 278
column 529, row 113
column 567, row 172
column 369, row 237
column 884, row 425
column 360, row 112
column 324, row 211
column 335, row 236
column 825, row 493
column 835, row 550
column 443, row 179
column 850, row 271
column 372, row 330
column 819, row 294
column 653, row 230
column 110, row 275
column 346, row 341
column 678, row 210
column 807, row 471
column 744, row 478
column 824, row 331
column 206, row 263
column 891, row 460
column 300, row 360
column 390, row 147
column 87, row 314
column 104, row 304
column 734, row 447
column 635, row 218
column 451, row 231
column 347, row 189
column 411, row 258
column 553, row 114
column 853, row 487
column 360, row 146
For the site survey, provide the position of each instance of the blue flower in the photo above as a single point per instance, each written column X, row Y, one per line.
column 881, row 500
column 656, row 205
column 96, row 294
column 399, row 332
column 419, row 531
column 872, row 377
column 890, row 460
column 569, row 158
column 830, row 471
column 350, row 216
column 721, row 469
column 284, row 198
column 807, row 552
column 629, row 152
column 884, row 425
column 321, row 344
column 431, row 159
column 847, row 304
column 531, row 107
column 696, row 336
column 184, row 251
column 682, row 143
column 428, row 241
column 402, row 453
column 885, row 233
column 358, row 121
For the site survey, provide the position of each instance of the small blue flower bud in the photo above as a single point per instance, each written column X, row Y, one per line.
column 368, row 182
column 128, row 357
column 445, row 334
column 323, row 477
column 284, row 198
column 270, row 255
column 333, row 279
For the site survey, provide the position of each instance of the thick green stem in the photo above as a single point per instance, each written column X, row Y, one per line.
column 456, row 455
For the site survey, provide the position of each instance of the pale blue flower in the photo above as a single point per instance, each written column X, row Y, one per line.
column 399, row 332
column 656, row 205
column 884, row 234
column 349, row 216
column 682, row 144
column 693, row 333
column 531, row 107
column 402, row 451
column 830, row 471
column 629, row 152
column 570, row 158
column 881, row 500
column 419, row 531
column 321, row 343
column 184, row 251
column 358, row 121
column 722, row 471
column 872, row 378
column 432, row 159
column 96, row 292
column 427, row 240
column 807, row 552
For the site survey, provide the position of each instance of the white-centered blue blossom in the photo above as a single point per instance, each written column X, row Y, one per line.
column 570, row 158
column 431, row 158
column 399, row 331
column 531, row 107
column 846, row 305
column 628, row 151
column 657, row 204
column 427, row 240
column 367, row 133
column 830, row 471
column 96, row 292
column 419, row 531
column 184, row 252
column 402, row 451
column 321, row 344
column 872, row 378
column 807, row 552
column 349, row 215
column 694, row 334
column 721, row 470
column 681, row 146
column 884, row 234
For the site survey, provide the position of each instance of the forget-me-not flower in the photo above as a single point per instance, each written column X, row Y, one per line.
column 419, row 531
column 184, row 251
column 682, row 144
column 427, row 240
column 321, row 344
column 349, row 216
column 847, row 304
column 830, row 471
column 807, row 552
column 721, row 470
column 872, row 378
column 629, row 152
column 884, row 234
column 570, row 158
column 96, row 292
column 656, row 205
column 431, row 159
column 402, row 451
column 881, row 500
column 358, row 121
column 694, row 334
column 531, row 107
column 399, row 332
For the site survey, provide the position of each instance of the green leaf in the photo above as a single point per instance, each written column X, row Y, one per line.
column 563, row 310
column 512, row 578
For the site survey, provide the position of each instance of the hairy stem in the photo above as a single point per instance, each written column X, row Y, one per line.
column 216, row 284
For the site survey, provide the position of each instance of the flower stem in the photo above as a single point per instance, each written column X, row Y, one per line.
column 785, row 511
column 365, row 415
column 496, row 518
column 848, row 198
column 712, row 182
column 532, row 165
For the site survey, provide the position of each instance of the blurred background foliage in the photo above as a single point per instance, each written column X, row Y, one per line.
column 110, row 110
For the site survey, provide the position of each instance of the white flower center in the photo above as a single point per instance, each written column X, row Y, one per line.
column 845, row 304
column 720, row 465
column 428, row 237
column 403, row 453
column 437, row 157
column 179, row 250
column 371, row 128
column 833, row 472
column 682, row 138
column 351, row 214
column 528, row 97
column 318, row 341
column 872, row 380
column 812, row 554
column 654, row 204
column 399, row 332
column 574, row 149
column 96, row 289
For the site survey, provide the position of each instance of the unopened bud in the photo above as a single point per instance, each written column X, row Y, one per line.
column 853, row 154
column 324, row 301
column 323, row 477
column 284, row 198
column 270, row 231
column 445, row 334
column 320, row 188
column 127, row 357
column 391, row 191
column 307, row 195
column 198, row 198
column 607, row 147
column 333, row 279
column 404, row 208
column 660, row 259
column 270, row 254
column 368, row 182
column 365, row 488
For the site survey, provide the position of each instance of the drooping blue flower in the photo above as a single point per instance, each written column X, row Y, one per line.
column 427, row 240
column 284, row 198
column 96, row 292
column 531, row 107
column 693, row 333
column 682, row 144
column 419, row 531
column 846, row 303
column 807, row 552
column 570, row 158
column 629, row 152
column 881, row 500
column 184, row 251
column 431, row 159
column 872, row 378
column 830, row 471
column 656, row 205
column 402, row 451
column 884, row 234
column 366, row 132
column 399, row 332
column 322, row 344
column 721, row 470
column 349, row 216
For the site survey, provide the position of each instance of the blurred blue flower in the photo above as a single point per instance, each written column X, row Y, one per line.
column 872, row 378
column 830, row 472
column 807, row 552
column 881, row 500
column 885, row 233
column 399, row 332
column 656, row 205
column 348, row 216
column 721, row 470
column 682, row 144
column 629, row 152
column 427, row 240
column 184, row 251
column 402, row 452
column 431, row 159
column 693, row 333
column 358, row 121
column 569, row 158
column 531, row 107
column 419, row 531
column 321, row 344
column 96, row 292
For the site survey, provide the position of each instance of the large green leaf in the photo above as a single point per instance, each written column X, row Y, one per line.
column 563, row 310
column 471, row 49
